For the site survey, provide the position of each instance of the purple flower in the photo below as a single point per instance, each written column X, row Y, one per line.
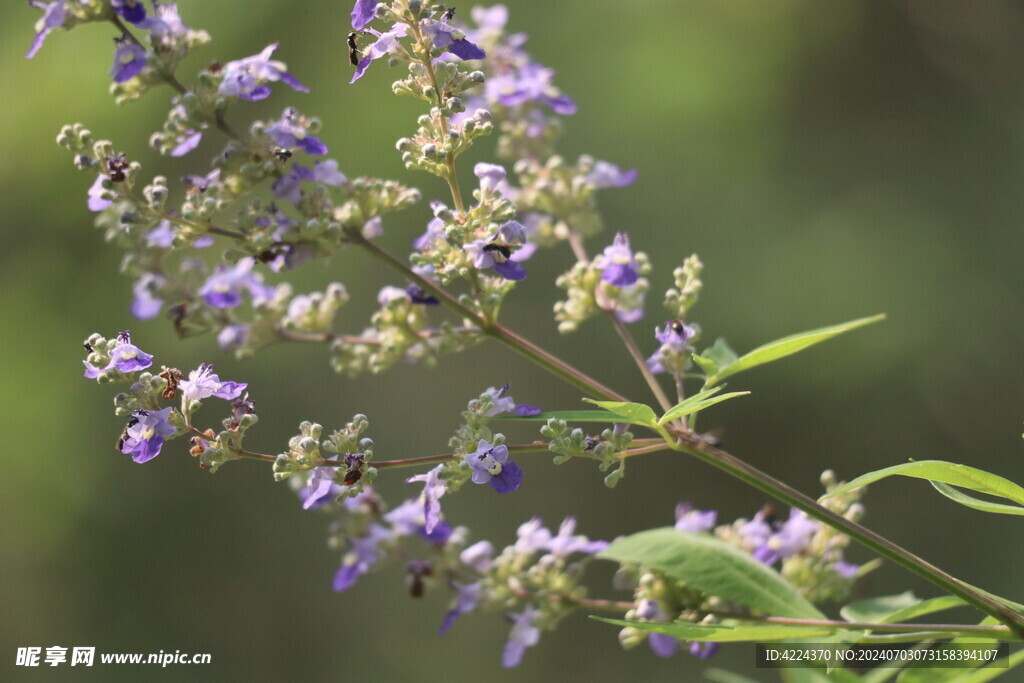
column 433, row 489
column 443, row 36
column 502, row 403
column 704, row 650
column 524, row 634
column 846, row 570
column 161, row 236
column 385, row 43
column 565, row 543
column 203, row 383
column 773, row 541
column 321, row 488
column 605, row 174
column 129, row 60
column 127, row 357
column 530, row 83
column 96, row 200
column 466, row 601
column 167, row 23
column 224, row 288
column 435, row 231
column 532, row 536
column 133, row 11
column 362, row 555
column 247, row 78
column 53, row 16
column 618, row 267
column 479, row 556
column 233, row 336
column 661, row 644
column 674, row 338
column 145, row 433
column 146, row 304
column 291, row 131
column 289, row 186
column 490, row 465
column 363, row 13
column 490, row 175
column 695, row 521
column 498, row 252
column 417, row 295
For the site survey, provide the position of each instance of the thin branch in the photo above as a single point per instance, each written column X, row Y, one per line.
column 641, row 362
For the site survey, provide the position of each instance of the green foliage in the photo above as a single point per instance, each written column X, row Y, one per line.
column 714, row 567
column 698, row 402
column 722, row 633
column 635, row 413
column 941, row 472
column 787, row 346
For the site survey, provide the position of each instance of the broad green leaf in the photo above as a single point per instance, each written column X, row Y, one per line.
column 720, row 353
column 921, row 609
column 976, row 503
column 575, row 416
column 713, row 567
column 698, row 402
column 707, row 366
column 719, row 633
column 787, row 346
column 636, row 413
column 876, row 609
column 944, row 472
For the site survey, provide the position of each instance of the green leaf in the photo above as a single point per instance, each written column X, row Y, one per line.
column 715, row 633
column 923, row 608
column 944, row 472
column 976, row 503
column 720, row 353
column 575, row 416
column 786, row 346
column 698, row 402
column 636, row 413
column 876, row 609
column 707, row 366
column 713, row 567
column 994, row 669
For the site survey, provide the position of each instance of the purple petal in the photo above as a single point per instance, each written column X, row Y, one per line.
column 511, row 270
column 313, row 146
column 260, row 92
column 465, row 50
column 562, row 104
column 508, row 479
column 703, row 650
column 346, row 577
column 448, row 620
column 526, row 410
column 663, row 645
column 290, row 80
column 186, row 144
column 364, row 64
column 363, row 13
column 619, row 275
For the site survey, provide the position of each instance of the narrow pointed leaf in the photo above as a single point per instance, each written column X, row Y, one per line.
column 722, row 634
column 944, row 472
column 574, row 416
column 876, row 609
column 636, row 413
column 714, row 567
column 695, row 403
column 787, row 346
column 976, row 503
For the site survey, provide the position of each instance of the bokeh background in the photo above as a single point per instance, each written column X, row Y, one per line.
column 827, row 160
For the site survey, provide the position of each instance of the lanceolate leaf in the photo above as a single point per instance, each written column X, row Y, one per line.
column 722, row 634
column 698, row 402
column 713, row 567
column 875, row 609
column 636, row 413
column 945, row 473
column 786, row 346
column 575, row 416
column 976, row 503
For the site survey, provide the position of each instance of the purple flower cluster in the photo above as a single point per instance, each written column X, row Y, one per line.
column 224, row 288
column 145, row 433
column 125, row 357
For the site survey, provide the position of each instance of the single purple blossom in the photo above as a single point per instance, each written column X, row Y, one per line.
column 127, row 357
column 433, row 489
column 129, row 60
column 846, row 570
column 96, row 201
column 363, row 13
column 186, row 142
column 362, row 555
column 529, row 83
column 203, row 383
column 146, row 304
column 145, row 434
column 442, row 35
column 674, row 338
column 490, row 176
column 465, row 602
column 565, row 543
column 524, row 634
column 224, row 288
column 418, row 296
column 502, row 252
column 247, row 78
column 161, row 236
column 132, row 11
column 435, row 231
column 704, row 650
column 532, row 536
column 202, row 182
column 501, row 402
column 479, row 556
column 321, row 488
column 385, row 43
column 166, row 23
column 53, row 16
column 605, row 174
column 693, row 520
column 618, row 266
column 290, row 131
column 661, row 644
column 490, row 465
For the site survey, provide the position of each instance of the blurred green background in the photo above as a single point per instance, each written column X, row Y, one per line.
column 827, row 160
